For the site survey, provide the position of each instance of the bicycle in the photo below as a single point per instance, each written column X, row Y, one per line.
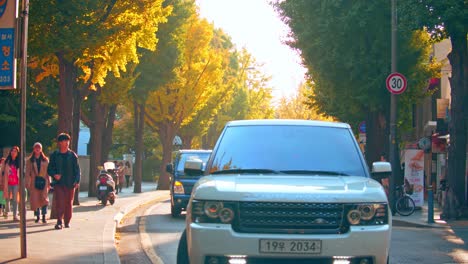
column 404, row 204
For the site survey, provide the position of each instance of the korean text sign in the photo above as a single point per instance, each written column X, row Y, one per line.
column 8, row 15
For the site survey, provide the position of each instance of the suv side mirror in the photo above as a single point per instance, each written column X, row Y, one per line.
column 381, row 169
column 381, row 166
column 169, row 167
column 193, row 167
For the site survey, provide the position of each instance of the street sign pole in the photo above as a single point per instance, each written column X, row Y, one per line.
column 23, row 84
column 393, row 113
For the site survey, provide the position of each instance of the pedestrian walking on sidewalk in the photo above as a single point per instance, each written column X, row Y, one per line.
column 2, row 199
column 38, row 182
column 10, row 173
column 65, row 171
column 128, row 173
column 121, row 175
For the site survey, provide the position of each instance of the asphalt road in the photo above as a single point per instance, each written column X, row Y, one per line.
column 409, row 244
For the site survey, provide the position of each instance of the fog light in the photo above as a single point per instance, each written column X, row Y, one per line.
column 237, row 260
column 213, row 260
column 342, row 260
column 364, row 261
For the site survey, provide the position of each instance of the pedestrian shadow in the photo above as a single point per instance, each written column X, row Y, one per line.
column 88, row 208
column 10, row 229
column 11, row 260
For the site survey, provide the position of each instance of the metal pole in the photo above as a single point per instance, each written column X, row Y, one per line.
column 430, row 204
column 393, row 112
column 23, row 83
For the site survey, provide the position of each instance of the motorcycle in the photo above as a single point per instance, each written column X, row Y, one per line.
column 105, row 184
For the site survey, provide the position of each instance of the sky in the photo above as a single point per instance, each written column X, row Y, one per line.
column 254, row 24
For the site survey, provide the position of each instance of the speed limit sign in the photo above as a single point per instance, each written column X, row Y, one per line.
column 396, row 83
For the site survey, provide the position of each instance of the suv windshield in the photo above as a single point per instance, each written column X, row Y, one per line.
column 289, row 149
column 187, row 156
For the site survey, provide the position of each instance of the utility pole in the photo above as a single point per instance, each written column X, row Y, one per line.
column 23, row 84
column 393, row 112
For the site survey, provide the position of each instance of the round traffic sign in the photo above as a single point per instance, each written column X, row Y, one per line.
column 396, row 83
column 362, row 127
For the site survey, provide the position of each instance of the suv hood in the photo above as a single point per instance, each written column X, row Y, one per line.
column 291, row 188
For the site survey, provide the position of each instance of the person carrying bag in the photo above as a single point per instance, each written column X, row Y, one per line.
column 38, row 182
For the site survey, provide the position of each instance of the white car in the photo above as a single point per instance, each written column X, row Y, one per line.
column 286, row 191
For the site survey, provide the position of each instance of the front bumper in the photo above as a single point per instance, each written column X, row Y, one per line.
column 220, row 240
column 180, row 200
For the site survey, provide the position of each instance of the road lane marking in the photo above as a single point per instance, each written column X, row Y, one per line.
column 145, row 239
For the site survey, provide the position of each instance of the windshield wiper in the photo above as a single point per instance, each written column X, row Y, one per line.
column 240, row 171
column 317, row 172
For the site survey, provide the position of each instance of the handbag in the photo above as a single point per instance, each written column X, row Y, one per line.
column 39, row 183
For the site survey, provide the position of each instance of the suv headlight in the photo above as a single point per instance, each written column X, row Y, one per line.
column 367, row 214
column 213, row 212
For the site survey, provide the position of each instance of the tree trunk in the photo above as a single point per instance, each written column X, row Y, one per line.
column 376, row 139
column 166, row 135
column 187, row 142
column 67, row 77
column 77, row 99
column 96, row 131
column 457, row 128
column 109, row 128
column 209, row 140
column 139, row 126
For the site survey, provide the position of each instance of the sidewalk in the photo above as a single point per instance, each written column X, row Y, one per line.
column 420, row 218
column 90, row 239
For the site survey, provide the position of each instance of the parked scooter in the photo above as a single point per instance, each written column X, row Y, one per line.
column 105, row 184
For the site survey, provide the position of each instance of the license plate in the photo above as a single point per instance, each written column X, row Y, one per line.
column 102, row 188
column 290, row 246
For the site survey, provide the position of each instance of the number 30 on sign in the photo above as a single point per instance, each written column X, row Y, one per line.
column 396, row 83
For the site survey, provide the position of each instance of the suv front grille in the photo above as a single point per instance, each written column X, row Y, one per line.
column 297, row 218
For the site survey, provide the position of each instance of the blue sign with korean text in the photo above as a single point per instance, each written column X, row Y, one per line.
column 7, row 68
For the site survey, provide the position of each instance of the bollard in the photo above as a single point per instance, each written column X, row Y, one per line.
column 430, row 205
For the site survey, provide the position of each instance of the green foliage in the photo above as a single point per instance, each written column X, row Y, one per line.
column 124, row 136
column 296, row 107
column 156, row 67
column 67, row 26
column 346, row 48
column 40, row 119
column 442, row 19
column 151, row 168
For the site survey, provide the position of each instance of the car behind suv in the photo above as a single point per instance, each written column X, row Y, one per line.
column 286, row 191
column 181, row 183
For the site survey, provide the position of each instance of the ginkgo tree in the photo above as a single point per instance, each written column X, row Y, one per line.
column 196, row 127
column 298, row 105
column 249, row 97
column 88, row 39
column 196, row 73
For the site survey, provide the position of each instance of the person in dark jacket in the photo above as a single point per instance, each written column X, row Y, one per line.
column 65, row 171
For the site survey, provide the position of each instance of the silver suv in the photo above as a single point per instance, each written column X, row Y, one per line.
column 286, row 191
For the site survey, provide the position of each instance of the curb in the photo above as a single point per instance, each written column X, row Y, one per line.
column 403, row 223
column 110, row 252
column 145, row 239
column 108, row 242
